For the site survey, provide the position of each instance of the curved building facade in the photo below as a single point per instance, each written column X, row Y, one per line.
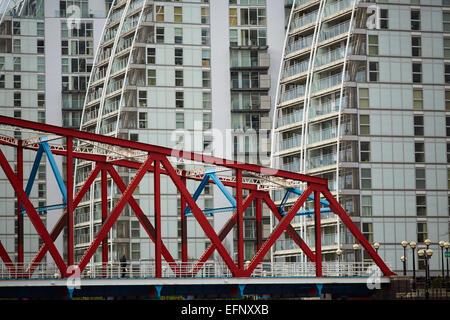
column 358, row 84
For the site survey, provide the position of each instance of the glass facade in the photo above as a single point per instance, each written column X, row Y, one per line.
column 362, row 103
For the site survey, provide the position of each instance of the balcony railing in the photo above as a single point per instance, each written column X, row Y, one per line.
column 292, row 94
column 290, row 118
column 335, row 7
column 300, row 44
column 304, row 20
column 296, row 69
column 328, row 33
column 289, row 143
column 328, row 82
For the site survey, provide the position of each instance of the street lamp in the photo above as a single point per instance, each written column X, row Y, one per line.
column 428, row 253
column 427, row 242
column 404, row 244
column 413, row 245
column 376, row 245
column 338, row 253
column 403, row 259
column 442, row 244
column 423, row 255
column 355, row 247
column 446, row 245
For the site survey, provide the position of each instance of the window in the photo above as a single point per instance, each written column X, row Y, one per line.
column 160, row 13
column 206, row 76
column 448, row 152
column 367, row 231
column 41, row 100
column 373, row 71
column 384, row 19
column 179, row 82
column 40, row 64
column 41, row 190
column 205, row 15
column 415, row 19
column 40, row 82
column 17, row 63
column 421, row 206
column 233, row 37
column 178, row 35
column 419, row 152
column 40, row 29
column 447, row 73
column 206, row 121
column 448, row 179
column 416, row 46
column 151, row 77
column 179, row 99
column 365, row 151
column 178, row 56
column 373, row 45
column 366, row 203
column 206, row 57
column 418, row 99
column 41, row 116
column 179, row 121
column 17, row 114
column 142, row 120
column 417, row 72
column 447, row 125
column 205, row 36
column 2, row 81
column 178, row 14
column 447, row 100
column 206, row 100
column 366, row 178
column 160, row 34
column 418, row 126
column 233, row 17
column 135, row 247
column 40, row 46
column 17, row 81
column 446, row 21
column 64, row 47
column 2, row 63
column 420, row 179
column 16, row 27
column 446, row 47
column 151, row 55
column 364, row 124
column 142, row 98
column 16, row 46
column 422, row 231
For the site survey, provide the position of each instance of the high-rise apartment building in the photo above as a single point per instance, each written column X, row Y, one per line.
column 363, row 101
column 46, row 50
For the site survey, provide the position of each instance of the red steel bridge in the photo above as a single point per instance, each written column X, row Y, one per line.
column 108, row 153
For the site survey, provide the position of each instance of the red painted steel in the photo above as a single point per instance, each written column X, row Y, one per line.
column 159, row 156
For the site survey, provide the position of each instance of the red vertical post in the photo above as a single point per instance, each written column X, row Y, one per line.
column 240, row 221
column 157, row 195
column 317, row 233
column 258, row 223
column 104, row 195
column 184, row 252
column 69, row 188
column 19, row 170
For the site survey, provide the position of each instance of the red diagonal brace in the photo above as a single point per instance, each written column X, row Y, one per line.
column 7, row 260
column 198, row 214
column 278, row 231
column 32, row 214
column 62, row 221
column 115, row 213
column 148, row 227
column 289, row 229
column 227, row 227
column 337, row 209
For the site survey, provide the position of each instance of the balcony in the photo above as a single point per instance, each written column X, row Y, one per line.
column 334, row 31
column 295, row 93
column 298, row 45
column 328, row 82
column 295, row 69
column 335, row 7
column 289, row 143
column 304, row 20
column 328, row 159
column 290, row 118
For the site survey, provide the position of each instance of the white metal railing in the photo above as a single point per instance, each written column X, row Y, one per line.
column 210, row 269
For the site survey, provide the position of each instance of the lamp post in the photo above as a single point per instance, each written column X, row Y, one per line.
column 442, row 244
column 376, row 245
column 422, row 254
column 447, row 245
column 413, row 245
column 355, row 247
column 338, row 253
column 403, row 260
column 429, row 253
column 427, row 242
column 404, row 244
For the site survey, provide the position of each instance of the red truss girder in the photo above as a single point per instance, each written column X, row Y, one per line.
column 157, row 163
